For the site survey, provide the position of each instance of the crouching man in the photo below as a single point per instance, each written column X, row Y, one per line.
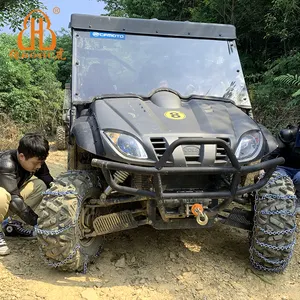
column 20, row 192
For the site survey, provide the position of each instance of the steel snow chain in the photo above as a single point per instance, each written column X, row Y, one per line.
column 282, row 232
column 258, row 266
column 60, row 263
column 59, row 231
column 279, row 176
column 272, row 262
column 49, row 192
column 52, row 232
column 278, row 212
column 287, row 247
column 274, row 196
column 85, row 264
column 283, row 263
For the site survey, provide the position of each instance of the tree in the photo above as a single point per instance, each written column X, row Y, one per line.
column 64, row 41
column 12, row 12
column 29, row 90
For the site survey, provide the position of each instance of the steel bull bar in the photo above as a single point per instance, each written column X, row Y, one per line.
column 159, row 169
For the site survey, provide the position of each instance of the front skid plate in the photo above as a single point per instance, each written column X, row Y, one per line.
column 124, row 220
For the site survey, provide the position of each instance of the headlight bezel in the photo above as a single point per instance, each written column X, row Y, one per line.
column 114, row 144
column 254, row 134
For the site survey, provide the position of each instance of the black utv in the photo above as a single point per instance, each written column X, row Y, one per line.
column 161, row 133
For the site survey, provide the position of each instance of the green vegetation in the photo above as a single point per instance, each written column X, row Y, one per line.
column 30, row 92
column 12, row 12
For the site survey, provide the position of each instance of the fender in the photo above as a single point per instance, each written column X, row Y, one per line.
column 87, row 136
column 272, row 143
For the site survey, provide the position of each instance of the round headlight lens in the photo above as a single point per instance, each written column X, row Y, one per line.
column 249, row 146
column 127, row 145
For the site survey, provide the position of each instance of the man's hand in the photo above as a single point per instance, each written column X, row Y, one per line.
column 21, row 209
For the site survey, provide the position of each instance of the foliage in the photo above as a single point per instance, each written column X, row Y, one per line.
column 64, row 41
column 289, row 79
column 272, row 100
column 29, row 90
column 10, row 133
column 12, row 12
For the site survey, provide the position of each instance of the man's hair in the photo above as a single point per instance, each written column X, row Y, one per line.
column 34, row 145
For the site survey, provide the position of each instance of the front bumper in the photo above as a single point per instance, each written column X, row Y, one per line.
column 236, row 170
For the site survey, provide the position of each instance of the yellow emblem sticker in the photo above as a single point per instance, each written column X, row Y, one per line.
column 175, row 115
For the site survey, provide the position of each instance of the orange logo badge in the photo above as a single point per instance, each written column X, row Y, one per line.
column 39, row 32
column 37, row 27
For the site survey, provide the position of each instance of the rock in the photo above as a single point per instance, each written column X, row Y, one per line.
column 133, row 260
column 158, row 279
column 172, row 255
column 89, row 295
column 239, row 287
column 187, row 268
column 41, row 294
column 121, row 263
column 199, row 286
column 142, row 281
column 98, row 285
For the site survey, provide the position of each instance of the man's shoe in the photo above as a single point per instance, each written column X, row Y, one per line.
column 4, row 250
column 14, row 228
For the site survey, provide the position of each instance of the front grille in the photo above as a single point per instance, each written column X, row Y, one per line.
column 221, row 155
column 191, row 152
column 159, row 145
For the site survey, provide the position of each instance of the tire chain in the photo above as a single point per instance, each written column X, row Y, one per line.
column 59, row 231
column 252, row 250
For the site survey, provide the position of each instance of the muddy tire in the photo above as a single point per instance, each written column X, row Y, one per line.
column 61, row 142
column 66, row 251
column 274, row 231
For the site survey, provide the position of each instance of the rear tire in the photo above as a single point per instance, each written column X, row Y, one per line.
column 61, row 142
column 274, row 231
column 66, row 251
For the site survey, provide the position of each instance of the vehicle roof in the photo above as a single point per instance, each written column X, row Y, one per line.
column 153, row 27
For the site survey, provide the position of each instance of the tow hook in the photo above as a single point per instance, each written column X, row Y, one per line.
column 198, row 212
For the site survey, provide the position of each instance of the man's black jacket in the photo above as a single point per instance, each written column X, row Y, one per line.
column 13, row 176
column 289, row 152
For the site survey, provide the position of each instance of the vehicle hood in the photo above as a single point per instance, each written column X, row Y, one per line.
column 197, row 118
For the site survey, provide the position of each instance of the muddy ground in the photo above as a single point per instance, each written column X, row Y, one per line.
column 148, row 264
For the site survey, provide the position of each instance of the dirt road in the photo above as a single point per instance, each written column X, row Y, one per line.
column 149, row 264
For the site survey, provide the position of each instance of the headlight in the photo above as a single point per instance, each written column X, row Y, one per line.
column 249, row 146
column 127, row 144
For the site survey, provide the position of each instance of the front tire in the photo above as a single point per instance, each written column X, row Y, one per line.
column 61, row 208
column 274, row 231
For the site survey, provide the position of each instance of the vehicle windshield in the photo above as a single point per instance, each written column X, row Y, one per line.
column 112, row 63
